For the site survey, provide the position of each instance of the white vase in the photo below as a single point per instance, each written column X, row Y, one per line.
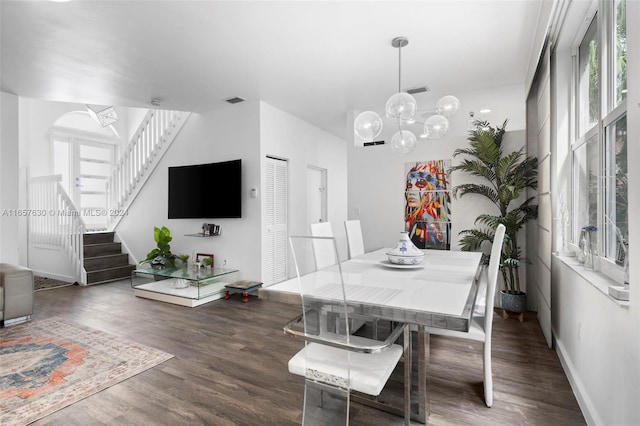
column 405, row 252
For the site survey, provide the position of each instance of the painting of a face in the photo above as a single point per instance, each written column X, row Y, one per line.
column 427, row 204
column 416, row 189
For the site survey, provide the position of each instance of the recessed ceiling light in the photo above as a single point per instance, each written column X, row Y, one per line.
column 485, row 110
column 59, row 1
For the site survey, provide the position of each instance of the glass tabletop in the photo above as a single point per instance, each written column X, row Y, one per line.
column 188, row 273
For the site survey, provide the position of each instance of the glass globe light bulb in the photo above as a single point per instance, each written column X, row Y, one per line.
column 401, row 106
column 436, row 126
column 367, row 125
column 403, row 142
column 448, row 106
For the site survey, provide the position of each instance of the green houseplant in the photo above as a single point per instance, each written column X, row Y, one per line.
column 161, row 255
column 504, row 179
column 184, row 260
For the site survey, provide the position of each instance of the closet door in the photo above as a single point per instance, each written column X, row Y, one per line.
column 275, row 229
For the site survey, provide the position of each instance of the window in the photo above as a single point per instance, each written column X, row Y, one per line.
column 620, row 52
column 585, row 181
column 600, row 145
column 616, row 189
column 588, row 93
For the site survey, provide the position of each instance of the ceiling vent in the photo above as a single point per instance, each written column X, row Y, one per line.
column 416, row 90
column 374, row 143
column 235, row 100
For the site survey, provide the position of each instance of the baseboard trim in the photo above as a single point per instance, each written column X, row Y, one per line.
column 586, row 406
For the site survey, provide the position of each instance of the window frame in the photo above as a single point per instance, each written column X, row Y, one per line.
column 603, row 13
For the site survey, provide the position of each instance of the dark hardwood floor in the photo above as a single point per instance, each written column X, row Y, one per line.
column 230, row 367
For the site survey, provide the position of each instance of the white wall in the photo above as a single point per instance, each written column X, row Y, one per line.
column 597, row 340
column 226, row 134
column 250, row 131
column 37, row 117
column 287, row 137
column 9, row 160
column 230, row 133
column 377, row 176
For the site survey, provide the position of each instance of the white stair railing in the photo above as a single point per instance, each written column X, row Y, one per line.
column 155, row 134
column 54, row 220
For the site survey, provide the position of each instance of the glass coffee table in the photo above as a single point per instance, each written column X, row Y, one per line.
column 184, row 287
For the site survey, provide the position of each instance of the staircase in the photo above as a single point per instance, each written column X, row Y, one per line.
column 95, row 257
column 104, row 260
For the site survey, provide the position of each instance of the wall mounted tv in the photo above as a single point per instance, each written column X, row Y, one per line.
column 206, row 191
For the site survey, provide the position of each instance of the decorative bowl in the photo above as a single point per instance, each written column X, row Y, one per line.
column 180, row 283
column 405, row 252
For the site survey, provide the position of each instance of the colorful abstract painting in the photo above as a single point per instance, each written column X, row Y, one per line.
column 427, row 214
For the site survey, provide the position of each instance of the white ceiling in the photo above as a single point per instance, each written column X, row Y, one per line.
column 317, row 60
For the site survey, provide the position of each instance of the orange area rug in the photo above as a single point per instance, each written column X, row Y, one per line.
column 47, row 365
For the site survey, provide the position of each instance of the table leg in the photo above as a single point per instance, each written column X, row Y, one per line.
column 423, row 378
column 227, row 295
column 245, row 297
column 408, row 366
column 422, row 353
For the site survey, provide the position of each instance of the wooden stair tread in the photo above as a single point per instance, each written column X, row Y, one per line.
column 104, row 261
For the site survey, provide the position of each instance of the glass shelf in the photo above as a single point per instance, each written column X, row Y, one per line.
column 182, row 286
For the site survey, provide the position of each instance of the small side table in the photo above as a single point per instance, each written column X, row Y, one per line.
column 243, row 286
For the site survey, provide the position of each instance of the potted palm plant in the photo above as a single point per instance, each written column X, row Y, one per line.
column 504, row 179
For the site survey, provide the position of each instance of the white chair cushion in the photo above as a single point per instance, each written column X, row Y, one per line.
column 476, row 330
column 369, row 372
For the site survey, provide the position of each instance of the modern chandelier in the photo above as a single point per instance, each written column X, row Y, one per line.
column 402, row 107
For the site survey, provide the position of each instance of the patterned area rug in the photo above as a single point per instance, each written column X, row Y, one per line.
column 50, row 364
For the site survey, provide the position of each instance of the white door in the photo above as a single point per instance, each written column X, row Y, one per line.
column 85, row 166
column 275, row 248
column 316, row 195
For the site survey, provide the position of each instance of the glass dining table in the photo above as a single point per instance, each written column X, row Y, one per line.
column 440, row 292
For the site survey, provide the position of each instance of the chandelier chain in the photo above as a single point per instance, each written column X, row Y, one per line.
column 399, row 68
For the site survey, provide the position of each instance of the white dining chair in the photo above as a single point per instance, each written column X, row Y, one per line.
column 481, row 325
column 355, row 241
column 325, row 255
column 333, row 361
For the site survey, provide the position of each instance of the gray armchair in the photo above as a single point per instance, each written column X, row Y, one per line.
column 16, row 294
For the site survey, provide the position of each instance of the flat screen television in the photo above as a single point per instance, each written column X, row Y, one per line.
column 206, row 191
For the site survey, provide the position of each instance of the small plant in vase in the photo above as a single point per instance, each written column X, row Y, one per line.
column 184, row 258
column 207, row 262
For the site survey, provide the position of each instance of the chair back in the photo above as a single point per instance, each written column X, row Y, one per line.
column 325, row 317
column 354, row 238
column 321, row 229
column 323, row 291
column 324, row 250
column 492, row 278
